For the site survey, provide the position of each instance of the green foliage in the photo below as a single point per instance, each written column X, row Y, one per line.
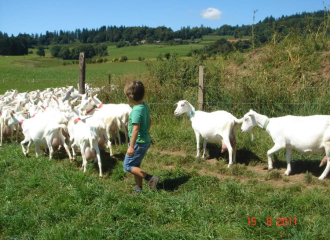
column 64, row 53
column 308, row 178
column 41, row 51
column 54, row 50
column 120, row 44
column 273, row 175
column 88, row 49
column 123, row 59
column 101, row 50
column 13, row 45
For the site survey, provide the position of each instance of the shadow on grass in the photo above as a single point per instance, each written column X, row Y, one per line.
column 173, row 184
column 299, row 166
column 243, row 156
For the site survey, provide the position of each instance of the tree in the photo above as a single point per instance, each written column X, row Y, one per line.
column 41, row 51
column 55, row 50
column 86, row 48
column 64, row 53
column 101, row 50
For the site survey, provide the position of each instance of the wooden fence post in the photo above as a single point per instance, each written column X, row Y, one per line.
column 109, row 82
column 201, row 88
column 82, row 71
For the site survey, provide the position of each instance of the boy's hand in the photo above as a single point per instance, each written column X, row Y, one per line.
column 130, row 151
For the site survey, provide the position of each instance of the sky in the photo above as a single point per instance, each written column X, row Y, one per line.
column 39, row 16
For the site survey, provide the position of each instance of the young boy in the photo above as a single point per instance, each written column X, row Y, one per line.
column 138, row 130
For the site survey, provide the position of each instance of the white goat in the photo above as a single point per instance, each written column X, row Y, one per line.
column 214, row 127
column 44, row 129
column 310, row 134
column 105, row 111
column 84, row 137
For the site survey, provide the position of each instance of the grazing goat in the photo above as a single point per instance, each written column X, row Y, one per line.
column 310, row 134
column 214, row 127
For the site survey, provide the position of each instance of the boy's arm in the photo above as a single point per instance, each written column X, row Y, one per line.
column 135, row 132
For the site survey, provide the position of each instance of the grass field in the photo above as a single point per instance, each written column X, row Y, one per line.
column 20, row 71
column 196, row 198
column 151, row 50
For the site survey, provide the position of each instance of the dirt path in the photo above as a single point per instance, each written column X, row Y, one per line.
column 260, row 171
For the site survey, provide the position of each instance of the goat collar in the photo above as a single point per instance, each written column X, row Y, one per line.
column 89, row 111
column 266, row 124
column 100, row 105
column 76, row 120
column 191, row 114
column 21, row 122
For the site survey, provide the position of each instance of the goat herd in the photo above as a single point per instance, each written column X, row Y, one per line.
column 53, row 119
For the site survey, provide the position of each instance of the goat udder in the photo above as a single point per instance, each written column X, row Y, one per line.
column 323, row 161
column 90, row 153
column 56, row 142
column 223, row 147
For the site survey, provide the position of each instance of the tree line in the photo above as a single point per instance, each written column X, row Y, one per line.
column 263, row 31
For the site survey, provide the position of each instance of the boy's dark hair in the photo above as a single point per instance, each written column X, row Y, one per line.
column 134, row 90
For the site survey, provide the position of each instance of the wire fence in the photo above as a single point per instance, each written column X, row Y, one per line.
column 238, row 99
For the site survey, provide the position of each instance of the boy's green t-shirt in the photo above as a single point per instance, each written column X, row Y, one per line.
column 140, row 115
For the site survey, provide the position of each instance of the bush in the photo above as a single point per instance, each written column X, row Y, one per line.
column 30, row 52
column 105, row 60
column 123, row 59
column 99, row 60
column 115, row 59
column 160, row 57
column 41, row 51
column 141, row 59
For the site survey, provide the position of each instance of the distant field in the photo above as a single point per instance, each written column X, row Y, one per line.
column 150, row 50
column 19, row 71
column 212, row 38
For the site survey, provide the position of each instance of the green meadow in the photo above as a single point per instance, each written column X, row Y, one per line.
column 20, row 71
column 196, row 198
column 151, row 51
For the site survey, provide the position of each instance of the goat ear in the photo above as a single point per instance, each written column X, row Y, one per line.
column 175, row 104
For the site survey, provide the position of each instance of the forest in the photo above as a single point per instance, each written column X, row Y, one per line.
column 263, row 31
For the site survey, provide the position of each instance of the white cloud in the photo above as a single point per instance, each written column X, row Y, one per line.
column 211, row 14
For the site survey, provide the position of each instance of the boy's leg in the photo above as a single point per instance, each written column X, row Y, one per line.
column 140, row 174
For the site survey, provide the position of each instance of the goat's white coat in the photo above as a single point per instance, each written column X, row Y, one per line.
column 214, row 127
column 44, row 129
column 310, row 134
